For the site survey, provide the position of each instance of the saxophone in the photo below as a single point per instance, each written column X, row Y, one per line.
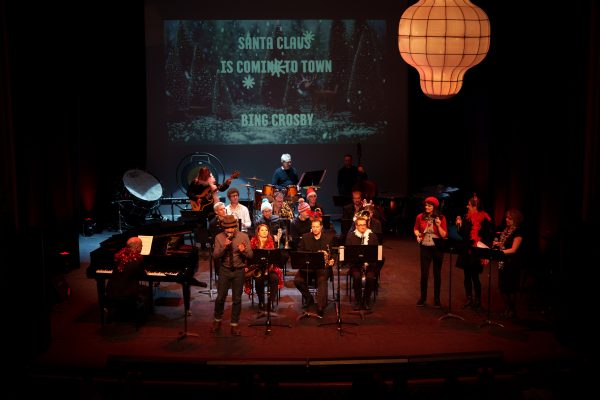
column 286, row 211
column 327, row 259
column 254, row 271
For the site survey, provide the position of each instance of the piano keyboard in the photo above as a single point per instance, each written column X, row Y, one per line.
column 162, row 273
column 104, row 271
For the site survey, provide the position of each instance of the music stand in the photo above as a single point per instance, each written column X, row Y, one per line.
column 264, row 258
column 489, row 254
column 450, row 246
column 312, row 178
column 361, row 254
column 308, row 261
column 338, row 304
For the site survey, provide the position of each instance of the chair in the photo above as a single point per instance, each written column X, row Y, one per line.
column 350, row 282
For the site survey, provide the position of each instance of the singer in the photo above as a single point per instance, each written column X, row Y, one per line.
column 232, row 248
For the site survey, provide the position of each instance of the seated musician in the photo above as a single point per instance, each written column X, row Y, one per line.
column 311, row 199
column 266, row 217
column 237, row 209
column 362, row 235
column 123, row 286
column 273, row 274
column 316, row 240
column 301, row 224
column 215, row 226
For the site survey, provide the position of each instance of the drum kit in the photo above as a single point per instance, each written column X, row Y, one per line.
column 268, row 192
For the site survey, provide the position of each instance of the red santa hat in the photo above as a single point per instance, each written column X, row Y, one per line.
column 310, row 192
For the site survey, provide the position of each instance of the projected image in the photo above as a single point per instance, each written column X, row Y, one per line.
column 275, row 82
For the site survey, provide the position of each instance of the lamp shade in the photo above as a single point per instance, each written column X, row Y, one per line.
column 442, row 39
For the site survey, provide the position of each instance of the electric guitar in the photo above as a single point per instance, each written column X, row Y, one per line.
column 206, row 198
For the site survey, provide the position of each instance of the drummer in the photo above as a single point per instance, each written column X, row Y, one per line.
column 286, row 175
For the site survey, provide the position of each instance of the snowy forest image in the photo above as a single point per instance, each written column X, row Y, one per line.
column 275, row 82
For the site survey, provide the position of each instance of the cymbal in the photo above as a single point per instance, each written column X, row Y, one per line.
column 255, row 179
column 248, row 185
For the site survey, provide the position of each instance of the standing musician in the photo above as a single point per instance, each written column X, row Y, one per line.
column 233, row 249
column 362, row 235
column 428, row 225
column 203, row 193
column 317, row 240
column 274, row 275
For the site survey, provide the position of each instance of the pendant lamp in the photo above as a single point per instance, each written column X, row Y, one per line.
column 442, row 39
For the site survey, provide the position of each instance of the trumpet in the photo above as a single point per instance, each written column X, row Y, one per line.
column 254, row 271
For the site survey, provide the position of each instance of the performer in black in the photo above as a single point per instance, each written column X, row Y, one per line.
column 362, row 235
column 317, row 240
column 233, row 249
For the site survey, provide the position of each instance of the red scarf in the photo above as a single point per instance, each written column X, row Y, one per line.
column 126, row 256
column 477, row 218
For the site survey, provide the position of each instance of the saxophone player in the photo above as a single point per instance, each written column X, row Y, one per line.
column 316, row 240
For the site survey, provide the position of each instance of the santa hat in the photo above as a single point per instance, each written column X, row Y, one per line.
column 265, row 204
column 302, row 206
column 310, row 192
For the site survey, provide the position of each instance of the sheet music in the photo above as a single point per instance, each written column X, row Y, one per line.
column 482, row 245
column 146, row 244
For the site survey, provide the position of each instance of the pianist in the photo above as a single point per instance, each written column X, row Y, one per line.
column 232, row 248
column 123, row 287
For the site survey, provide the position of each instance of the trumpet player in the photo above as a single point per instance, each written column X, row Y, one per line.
column 270, row 273
column 232, row 248
column 316, row 240
column 362, row 235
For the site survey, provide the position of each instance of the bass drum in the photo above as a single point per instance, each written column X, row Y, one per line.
column 141, row 194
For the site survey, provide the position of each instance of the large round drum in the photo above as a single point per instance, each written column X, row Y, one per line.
column 292, row 191
column 268, row 190
column 142, row 192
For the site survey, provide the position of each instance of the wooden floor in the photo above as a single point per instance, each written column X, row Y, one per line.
column 416, row 343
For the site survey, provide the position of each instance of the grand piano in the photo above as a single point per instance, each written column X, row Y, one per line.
column 170, row 258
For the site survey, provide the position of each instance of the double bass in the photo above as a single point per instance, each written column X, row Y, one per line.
column 367, row 187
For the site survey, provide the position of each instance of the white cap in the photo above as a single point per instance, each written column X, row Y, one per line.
column 286, row 158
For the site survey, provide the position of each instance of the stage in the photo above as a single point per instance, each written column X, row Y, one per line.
column 398, row 348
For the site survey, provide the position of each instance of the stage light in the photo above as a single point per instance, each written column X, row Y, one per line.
column 442, row 39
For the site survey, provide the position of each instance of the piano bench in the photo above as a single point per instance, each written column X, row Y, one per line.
column 126, row 310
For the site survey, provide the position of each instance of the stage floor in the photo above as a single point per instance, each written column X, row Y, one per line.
column 396, row 329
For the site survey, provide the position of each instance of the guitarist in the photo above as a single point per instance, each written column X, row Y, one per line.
column 203, row 193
